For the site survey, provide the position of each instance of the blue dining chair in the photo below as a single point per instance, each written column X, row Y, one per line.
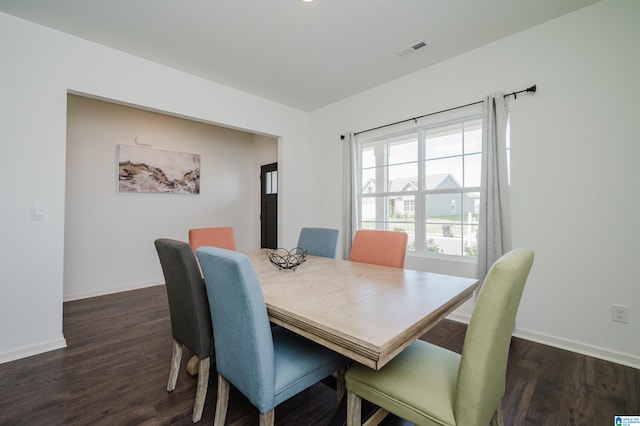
column 319, row 241
column 267, row 365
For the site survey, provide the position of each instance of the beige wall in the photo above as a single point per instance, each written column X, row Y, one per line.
column 109, row 235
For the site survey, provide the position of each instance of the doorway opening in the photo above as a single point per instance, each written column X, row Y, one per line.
column 269, row 206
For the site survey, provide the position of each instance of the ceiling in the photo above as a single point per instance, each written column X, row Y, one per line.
column 305, row 55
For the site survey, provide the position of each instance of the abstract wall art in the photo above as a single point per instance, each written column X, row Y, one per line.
column 155, row 170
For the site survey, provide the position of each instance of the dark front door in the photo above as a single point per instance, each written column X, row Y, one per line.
column 269, row 205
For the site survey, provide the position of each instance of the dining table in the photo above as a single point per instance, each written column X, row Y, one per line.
column 366, row 312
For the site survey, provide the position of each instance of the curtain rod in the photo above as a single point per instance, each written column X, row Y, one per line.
column 531, row 89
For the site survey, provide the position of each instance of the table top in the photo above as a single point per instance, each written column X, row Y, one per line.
column 366, row 312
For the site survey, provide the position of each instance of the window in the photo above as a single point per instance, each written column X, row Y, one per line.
column 425, row 181
column 409, row 206
column 271, row 182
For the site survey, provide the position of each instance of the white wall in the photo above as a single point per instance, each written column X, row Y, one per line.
column 575, row 171
column 39, row 67
column 109, row 236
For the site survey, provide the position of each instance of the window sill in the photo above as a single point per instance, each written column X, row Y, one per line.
column 442, row 264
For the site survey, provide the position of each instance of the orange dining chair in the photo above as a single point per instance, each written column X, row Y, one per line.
column 386, row 248
column 222, row 237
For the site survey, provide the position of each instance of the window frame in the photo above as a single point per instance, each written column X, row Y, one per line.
column 382, row 139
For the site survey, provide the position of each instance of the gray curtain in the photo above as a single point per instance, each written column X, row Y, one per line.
column 494, row 237
column 350, row 179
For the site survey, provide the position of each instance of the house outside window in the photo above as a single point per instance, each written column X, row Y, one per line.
column 425, row 181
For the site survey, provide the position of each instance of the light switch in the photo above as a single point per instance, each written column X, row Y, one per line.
column 38, row 213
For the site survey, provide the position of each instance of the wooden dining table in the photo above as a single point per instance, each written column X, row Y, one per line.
column 369, row 313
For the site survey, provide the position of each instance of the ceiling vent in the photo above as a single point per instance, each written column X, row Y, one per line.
column 414, row 47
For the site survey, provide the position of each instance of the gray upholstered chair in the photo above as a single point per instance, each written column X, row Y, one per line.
column 190, row 314
column 319, row 241
column 267, row 365
column 429, row 385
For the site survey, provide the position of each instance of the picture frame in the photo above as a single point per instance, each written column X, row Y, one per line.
column 150, row 170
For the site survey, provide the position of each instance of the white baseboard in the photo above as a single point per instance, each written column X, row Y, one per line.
column 27, row 351
column 463, row 318
column 617, row 357
column 104, row 292
column 61, row 342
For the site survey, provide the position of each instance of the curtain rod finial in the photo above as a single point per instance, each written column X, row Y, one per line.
column 532, row 89
column 342, row 137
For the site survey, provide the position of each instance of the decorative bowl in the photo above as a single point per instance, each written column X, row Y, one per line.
column 287, row 259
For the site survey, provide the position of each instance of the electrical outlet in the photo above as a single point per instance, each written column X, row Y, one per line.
column 620, row 313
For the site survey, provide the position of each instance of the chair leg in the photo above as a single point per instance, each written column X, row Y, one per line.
column 175, row 365
column 268, row 418
column 222, row 401
column 354, row 409
column 201, row 390
column 498, row 416
column 376, row 418
column 340, row 387
column 192, row 365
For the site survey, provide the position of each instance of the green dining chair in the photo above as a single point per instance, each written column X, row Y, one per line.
column 429, row 385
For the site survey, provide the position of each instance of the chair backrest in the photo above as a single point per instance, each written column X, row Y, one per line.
column 482, row 374
column 319, row 241
column 387, row 248
column 242, row 334
column 216, row 237
column 188, row 306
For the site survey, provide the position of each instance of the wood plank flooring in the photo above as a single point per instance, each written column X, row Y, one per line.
column 115, row 370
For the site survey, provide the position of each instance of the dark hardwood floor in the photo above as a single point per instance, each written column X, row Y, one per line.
column 115, row 370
